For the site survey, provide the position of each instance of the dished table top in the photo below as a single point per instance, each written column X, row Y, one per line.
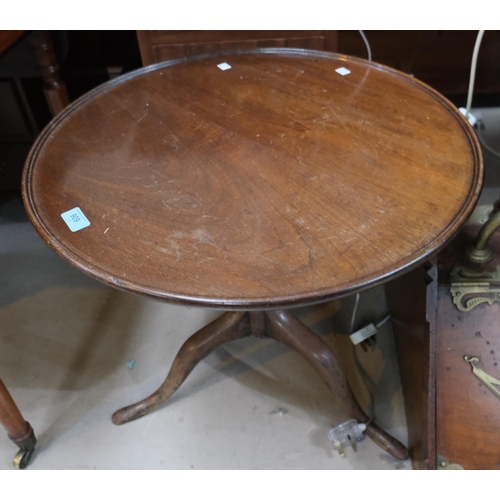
column 273, row 183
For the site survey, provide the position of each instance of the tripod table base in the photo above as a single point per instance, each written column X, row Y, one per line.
column 279, row 325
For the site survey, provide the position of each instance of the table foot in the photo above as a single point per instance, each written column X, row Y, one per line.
column 230, row 326
column 387, row 442
column 287, row 329
column 18, row 430
column 26, row 451
column 283, row 327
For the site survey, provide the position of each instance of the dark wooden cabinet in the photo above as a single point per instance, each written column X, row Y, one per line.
column 18, row 130
column 440, row 58
column 158, row 46
column 453, row 417
column 23, row 108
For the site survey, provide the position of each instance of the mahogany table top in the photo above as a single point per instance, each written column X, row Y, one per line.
column 273, row 183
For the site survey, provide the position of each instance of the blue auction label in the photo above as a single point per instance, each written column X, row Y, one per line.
column 75, row 219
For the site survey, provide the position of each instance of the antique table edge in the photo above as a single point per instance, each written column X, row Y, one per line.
column 256, row 303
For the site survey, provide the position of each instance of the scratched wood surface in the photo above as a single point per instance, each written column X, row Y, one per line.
column 273, row 183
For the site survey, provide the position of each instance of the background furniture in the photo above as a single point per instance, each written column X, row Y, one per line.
column 20, row 431
column 453, row 416
column 19, row 126
column 33, row 67
column 440, row 58
column 159, row 46
column 54, row 88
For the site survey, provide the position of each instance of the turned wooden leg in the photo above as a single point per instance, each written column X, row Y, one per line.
column 53, row 87
column 19, row 431
column 230, row 326
column 285, row 328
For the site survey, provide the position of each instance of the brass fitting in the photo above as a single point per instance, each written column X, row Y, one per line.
column 479, row 251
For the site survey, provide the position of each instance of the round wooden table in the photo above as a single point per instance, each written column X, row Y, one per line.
column 253, row 181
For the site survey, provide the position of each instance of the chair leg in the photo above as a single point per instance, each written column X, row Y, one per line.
column 19, row 431
column 53, row 87
column 285, row 328
column 230, row 326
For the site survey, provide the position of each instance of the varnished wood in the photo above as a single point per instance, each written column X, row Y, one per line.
column 412, row 301
column 283, row 327
column 53, row 87
column 258, row 326
column 275, row 183
column 467, row 412
column 18, row 429
column 449, row 411
column 429, row 55
column 224, row 329
column 158, row 46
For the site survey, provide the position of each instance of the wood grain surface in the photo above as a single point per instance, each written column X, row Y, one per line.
column 276, row 182
column 412, row 301
column 468, row 413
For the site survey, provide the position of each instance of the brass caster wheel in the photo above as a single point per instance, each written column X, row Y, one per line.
column 22, row 459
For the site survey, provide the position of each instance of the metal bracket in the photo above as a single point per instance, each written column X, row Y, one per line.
column 489, row 381
column 470, row 288
column 443, row 464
